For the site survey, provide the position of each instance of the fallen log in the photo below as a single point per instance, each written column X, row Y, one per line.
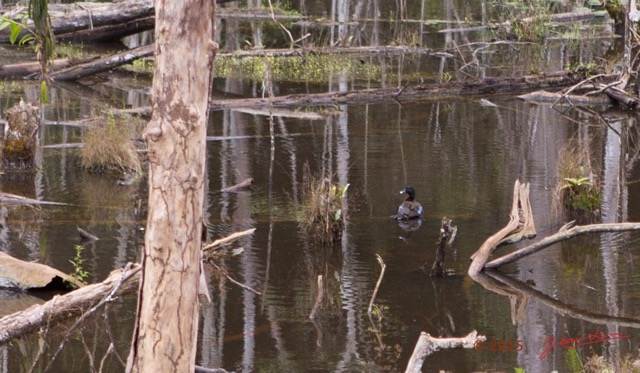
column 25, row 69
column 419, row 92
column 98, row 22
column 563, row 234
column 82, row 18
column 552, row 97
column 64, row 306
column 102, row 64
column 109, row 32
column 20, row 275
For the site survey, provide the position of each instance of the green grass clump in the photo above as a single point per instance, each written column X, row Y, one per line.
column 108, row 147
column 322, row 216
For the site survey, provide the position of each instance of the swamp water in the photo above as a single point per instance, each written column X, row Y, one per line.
column 460, row 156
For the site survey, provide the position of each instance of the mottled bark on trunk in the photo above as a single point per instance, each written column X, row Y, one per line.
column 165, row 335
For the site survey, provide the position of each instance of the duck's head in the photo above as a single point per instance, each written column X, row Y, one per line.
column 410, row 192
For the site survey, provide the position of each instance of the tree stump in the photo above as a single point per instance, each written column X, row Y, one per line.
column 19, row 141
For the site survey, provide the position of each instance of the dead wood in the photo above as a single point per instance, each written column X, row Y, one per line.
column 25, row 69
column 526, row 292
column 558, row 18
column 375, row 291
column 78, row 301
column 520, row 226
column 73, row 69
column 102, row 64
column 16, row 199
column 109, row 32
column 82, row 18
column 447, row 235
column 618, row 95
column 409, row 93
column 20, row 275
column 71, row 304
column 561, row 236
column 552, row 97
column 227, row 240
column 427, row 345
column 319, row 297
column 243, row 185
column 91, row 23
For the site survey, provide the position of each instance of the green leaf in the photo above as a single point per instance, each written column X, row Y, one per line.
column 15, row 32
column 338, row 215
column 26, row 39
column 4, row 24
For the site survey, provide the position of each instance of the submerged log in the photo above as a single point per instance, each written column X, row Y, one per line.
column 419, row 92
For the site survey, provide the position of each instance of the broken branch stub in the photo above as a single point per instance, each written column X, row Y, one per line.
column 520, row 226
column 427, row 345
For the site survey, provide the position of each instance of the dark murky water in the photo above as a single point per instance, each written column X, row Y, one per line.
column 461, row 157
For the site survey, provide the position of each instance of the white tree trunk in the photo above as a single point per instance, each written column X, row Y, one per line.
column 165, row 335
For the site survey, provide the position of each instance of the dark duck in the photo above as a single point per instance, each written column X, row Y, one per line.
column 410, row 208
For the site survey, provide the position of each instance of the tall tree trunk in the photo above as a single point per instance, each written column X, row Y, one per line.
column 165, row 335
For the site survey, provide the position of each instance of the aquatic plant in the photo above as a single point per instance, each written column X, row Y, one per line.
column 311, row 68
column 108, row 146
column 322, row 216
column 79, row 273
column 577, row 190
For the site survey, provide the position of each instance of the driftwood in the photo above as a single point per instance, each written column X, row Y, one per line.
column 563, row 234
column 427, row 345
column 520, row 226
